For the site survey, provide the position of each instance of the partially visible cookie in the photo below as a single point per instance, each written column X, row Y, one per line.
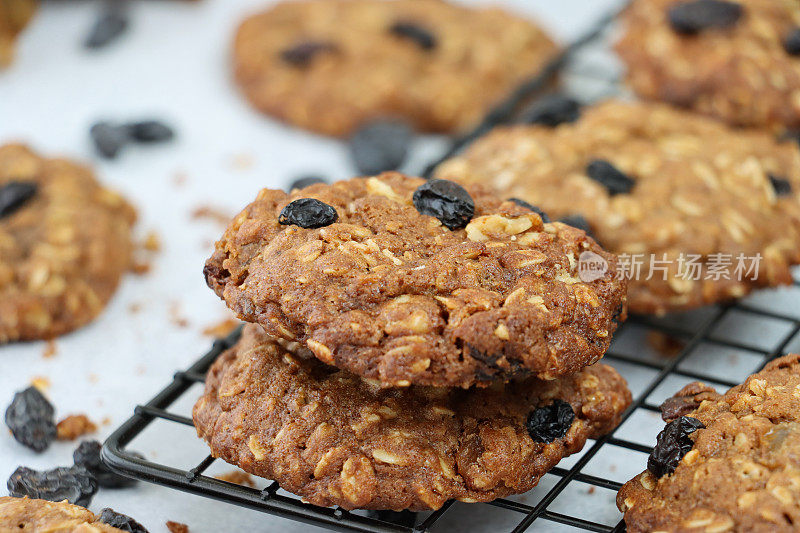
column 336, row 439
column 377, row 283
column 27, row 515
column 736, row 60
column 687, row 203
column 65, row 241
column 730, row 464
column 14, row 16
column 332, row 65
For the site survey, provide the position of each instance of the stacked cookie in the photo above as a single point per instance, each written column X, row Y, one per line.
column 410, row 342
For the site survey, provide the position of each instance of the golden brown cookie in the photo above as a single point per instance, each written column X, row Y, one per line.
column 14, row 16
column 332, row 65
column 744, row 69
column 663, row 189
column 336, row 439
column 739, row 466
column 65, row 241
column 37, row 516
column 393, row 294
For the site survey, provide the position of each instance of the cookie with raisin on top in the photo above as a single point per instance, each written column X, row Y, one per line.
column 404, row 280
column 331, row 66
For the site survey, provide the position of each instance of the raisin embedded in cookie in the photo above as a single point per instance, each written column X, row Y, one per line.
column 730, row 464
column 668, row 189
column 336, row 439
column 332, row 66
column 65, row 241
column 14, row 16
column 735, row 60
column 411, row 281
column 24, row 514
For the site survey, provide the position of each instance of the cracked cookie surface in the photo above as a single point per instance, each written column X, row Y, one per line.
column 333, row 65
column 24, row 514
column 336, row 439
column 743, row 471
column 698, row 189
column 741, row 73
column 63, row 251
column 391, row 294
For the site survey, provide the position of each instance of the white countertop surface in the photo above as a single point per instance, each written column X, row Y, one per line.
column 172, row 64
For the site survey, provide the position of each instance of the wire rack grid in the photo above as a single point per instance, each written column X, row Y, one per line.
column 719, row 345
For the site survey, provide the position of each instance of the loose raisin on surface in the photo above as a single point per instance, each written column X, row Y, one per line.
column 551, row 422
column 614, row 180
column 781, row 186
column 149, row 131
column 74, row 484
column 578, row 221
column 30, row 418
column 14, row 195
column 445, row 200
column 791, row 43
column 302, row 54
column 305, row 181
column 423, row 37
column 552, row 110
column 693, row 17
column 109, row 138
column 87, row 455
column 120, row 521
column 672, row 444
column 308, row 213
column 380, row 146
column 522, row 203
column 112, row 23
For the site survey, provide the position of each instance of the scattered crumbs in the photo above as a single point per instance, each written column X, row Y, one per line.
column 177, row 527
column 41, row 383
column 140, row 268
column 221, row 329
column 50, row 349
column 93, row 378
column 179, row 178
column 612, row 468
column 135, row 307
column 75, row 426
column 141, row 370
column 665, row 345
column 242, row 161
column 214, row 214
column 152, row 242
column 145, row 250
column 176, row 315
column 105, row 421
column 238, row 477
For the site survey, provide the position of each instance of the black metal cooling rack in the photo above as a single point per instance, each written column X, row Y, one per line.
column 714, row 328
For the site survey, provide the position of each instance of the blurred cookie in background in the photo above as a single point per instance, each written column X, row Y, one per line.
column 14, row 16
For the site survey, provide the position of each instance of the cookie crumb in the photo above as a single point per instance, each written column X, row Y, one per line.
column 214, row 214
column 179, row 178
column 50, row 349
column 666, row 345
column 134, row 308
column 152, row 242
column 221, row 329
column 238, row 477
column 242, row 161
column 176, row 315
column 177, row 527
column 41, row 383
column 74, row 426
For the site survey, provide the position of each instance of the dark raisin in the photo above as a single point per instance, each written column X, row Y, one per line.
column 308, row 213
column 109, row 138
column 790, row 135
column 551, row 422
column 302, row 54
column 74, row 484
column 689, row 18
column 380, row 146
column 792, row 42
column 30, row 418
column 672, row 444
column 87, row 455
column 121, row 521
column 445, row 200
column 15, row 194
column 676, row 407
column 305, row 181
column 149, row 131
column 578, row 221
column 112, row 23
column 522, row 203
column 781, row 186
column 609, row 176
column 423, row 37
column 552, row 110
column 400, row 518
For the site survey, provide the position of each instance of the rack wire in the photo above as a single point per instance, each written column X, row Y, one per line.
column 758, row 329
